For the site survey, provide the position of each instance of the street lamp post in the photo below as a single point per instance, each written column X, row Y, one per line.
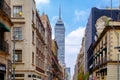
column 118, row 66
column 118, row 47
column 13, row 57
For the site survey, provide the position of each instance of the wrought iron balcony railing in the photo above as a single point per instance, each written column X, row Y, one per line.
column 4, row 46
column 5, row 8
column 104, row 60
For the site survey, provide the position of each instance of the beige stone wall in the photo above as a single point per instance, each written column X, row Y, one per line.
column 111, row 72
column 26, row 23
column 26, row 44
column 113, row 44
column 111, row 63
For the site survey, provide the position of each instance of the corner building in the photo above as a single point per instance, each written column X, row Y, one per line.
column 105, row 66
column 90, row 34
column 29, row 38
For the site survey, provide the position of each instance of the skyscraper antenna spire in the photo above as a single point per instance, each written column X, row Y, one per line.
column 60, row 12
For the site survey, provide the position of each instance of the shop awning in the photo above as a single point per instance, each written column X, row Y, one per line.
column 4, row 27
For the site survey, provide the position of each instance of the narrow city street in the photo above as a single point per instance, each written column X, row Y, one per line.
column 59, row 40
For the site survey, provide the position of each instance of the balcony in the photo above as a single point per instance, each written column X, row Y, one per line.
column 4, row 47
column 5, row 8
column 104, row 60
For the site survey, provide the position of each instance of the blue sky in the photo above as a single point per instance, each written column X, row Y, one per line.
column 74, row 14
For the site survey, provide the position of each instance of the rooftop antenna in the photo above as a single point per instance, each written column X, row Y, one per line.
column 118, row 18
column 117, row 47
column 111, row 9
column 119, row 4
column 59, row 11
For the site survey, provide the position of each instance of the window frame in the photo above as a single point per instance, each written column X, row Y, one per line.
column 18, row 58
column 18, row 33
column 33, row 57
column 17, row 11
column 33, row 36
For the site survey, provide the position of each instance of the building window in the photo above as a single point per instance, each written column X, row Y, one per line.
column 18, row 55
column 33, row 37
column 33, row 16
column 29, row 76
column 17, row 32
column 17, row 11
column 19, row 75
column 32, row 58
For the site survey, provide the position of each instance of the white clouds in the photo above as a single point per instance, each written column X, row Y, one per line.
column 74, row 38
column 81, row 15
column 53, row 21
column 54, row 18
column 72, row 46
column 42, row 1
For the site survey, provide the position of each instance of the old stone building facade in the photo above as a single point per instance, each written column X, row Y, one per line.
column 29, row 35
column 5, row 36
column 105, row 55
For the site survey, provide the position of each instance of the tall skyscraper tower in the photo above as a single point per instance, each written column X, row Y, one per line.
column 60, row 38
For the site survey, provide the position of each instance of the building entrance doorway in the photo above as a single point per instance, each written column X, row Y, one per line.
column 1, row 76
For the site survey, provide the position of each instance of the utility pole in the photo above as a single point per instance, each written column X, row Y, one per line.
column 118, row 54
column 118, row 65
column 119, row 4
column 117, row 47
column 111, row 9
